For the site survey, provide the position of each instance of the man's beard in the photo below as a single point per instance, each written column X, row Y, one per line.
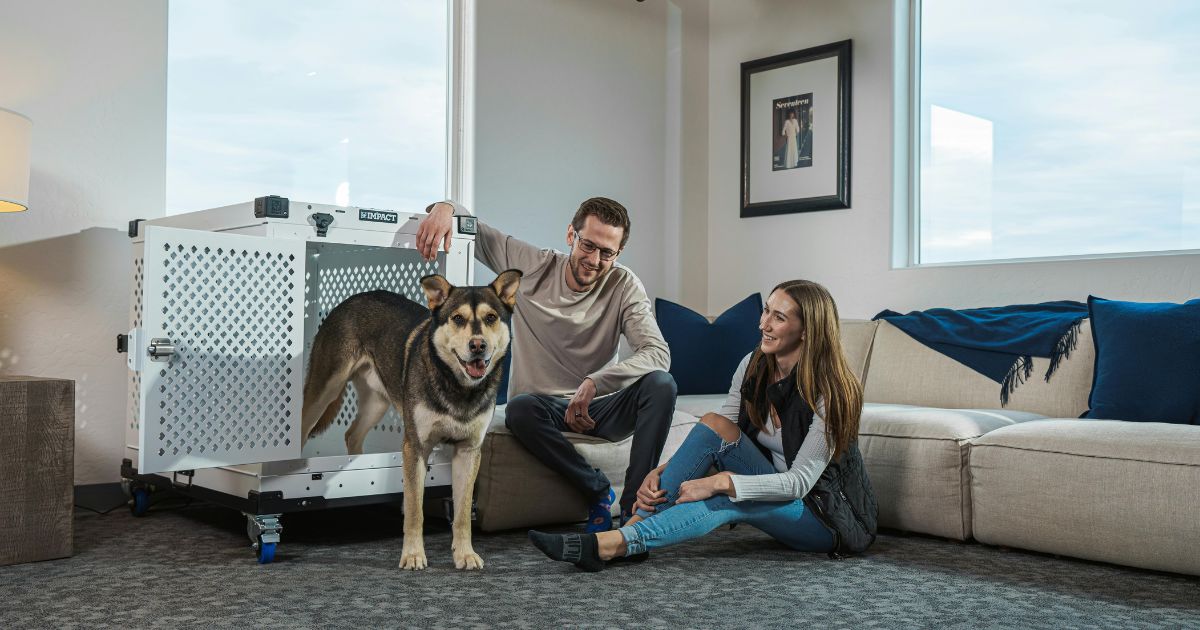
column 576, row 267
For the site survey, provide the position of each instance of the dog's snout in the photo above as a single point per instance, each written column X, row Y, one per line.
column 477, row 346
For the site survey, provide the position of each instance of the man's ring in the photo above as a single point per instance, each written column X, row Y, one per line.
column 578, row 414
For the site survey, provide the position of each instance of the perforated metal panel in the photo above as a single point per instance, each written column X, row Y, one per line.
column 233, row 307
column 135, row 377
column 334, row 273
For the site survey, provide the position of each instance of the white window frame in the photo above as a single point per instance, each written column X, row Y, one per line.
column 460, row 103
column 906, row 154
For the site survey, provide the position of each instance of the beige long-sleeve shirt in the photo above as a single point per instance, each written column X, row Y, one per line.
column 561, row 336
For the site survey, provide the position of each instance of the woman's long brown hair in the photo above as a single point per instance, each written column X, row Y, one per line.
column 821, row 371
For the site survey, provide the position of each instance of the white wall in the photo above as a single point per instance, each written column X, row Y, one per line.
column 574, row 99
column 92, row 76
column 849, row 251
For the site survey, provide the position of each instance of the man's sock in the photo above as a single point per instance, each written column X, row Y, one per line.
column 580, row 550
column 600, row 514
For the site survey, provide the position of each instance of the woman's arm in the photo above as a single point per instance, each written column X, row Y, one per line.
column 810, row 462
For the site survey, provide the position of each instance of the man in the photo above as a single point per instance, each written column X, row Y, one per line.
column 571, row 312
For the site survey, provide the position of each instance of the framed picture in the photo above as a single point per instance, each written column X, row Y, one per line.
column 796, row 131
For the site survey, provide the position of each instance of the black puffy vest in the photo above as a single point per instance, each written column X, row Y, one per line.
column 842, row 498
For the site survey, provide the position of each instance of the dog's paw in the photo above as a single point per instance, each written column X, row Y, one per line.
column 469, row 561
column 413, row 561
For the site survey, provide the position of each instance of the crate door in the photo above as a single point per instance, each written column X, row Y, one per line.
column 222, row 349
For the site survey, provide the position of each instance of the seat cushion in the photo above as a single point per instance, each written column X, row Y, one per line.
column 916, row 458
column 698, row 405
column 514, row 489
column 1122, row 492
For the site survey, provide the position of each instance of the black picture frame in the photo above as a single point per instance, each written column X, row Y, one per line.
column 801, row 98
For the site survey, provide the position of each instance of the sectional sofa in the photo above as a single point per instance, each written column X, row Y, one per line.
column 946, row 460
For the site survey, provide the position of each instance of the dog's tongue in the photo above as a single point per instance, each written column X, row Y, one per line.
column 476, row 368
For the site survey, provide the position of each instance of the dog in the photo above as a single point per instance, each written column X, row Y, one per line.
column 438, row 366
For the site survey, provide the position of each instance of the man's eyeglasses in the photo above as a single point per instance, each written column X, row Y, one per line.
column 590, row 248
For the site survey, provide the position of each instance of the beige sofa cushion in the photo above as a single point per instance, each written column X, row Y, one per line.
column 514, row 489
column 700, row 404
column 857, row 337
column 1122, row 492
column 904, row 371
column 916, row 458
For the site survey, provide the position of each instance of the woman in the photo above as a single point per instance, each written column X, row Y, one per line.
column 787, row 467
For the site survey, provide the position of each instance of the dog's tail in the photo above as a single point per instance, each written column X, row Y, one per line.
column 331, row 412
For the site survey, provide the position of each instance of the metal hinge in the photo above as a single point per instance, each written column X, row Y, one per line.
column 135, row 359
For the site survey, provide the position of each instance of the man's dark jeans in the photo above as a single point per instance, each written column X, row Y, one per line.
column 643, row 409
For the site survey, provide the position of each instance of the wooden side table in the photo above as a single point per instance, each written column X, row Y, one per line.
column 37, row 468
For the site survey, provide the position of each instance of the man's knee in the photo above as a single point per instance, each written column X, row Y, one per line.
column 521, row 413
column 722, row 426
column 659, row 384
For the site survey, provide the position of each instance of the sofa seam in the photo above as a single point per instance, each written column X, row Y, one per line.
column 932, row 439
column 870, row 352
column 966, row 494
column 1108, row 457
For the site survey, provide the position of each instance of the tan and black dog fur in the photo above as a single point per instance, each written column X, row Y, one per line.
column 438, row 366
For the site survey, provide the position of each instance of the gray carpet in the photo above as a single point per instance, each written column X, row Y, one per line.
column 192, row 567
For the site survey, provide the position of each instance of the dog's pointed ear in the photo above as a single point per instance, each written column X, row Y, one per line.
column 437, row 289
column 505, row 285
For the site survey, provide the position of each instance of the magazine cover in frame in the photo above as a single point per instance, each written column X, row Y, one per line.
column 796, row 131
column 792, row 130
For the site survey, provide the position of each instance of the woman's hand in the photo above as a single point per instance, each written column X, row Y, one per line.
column 701, row 489
column 649, row 494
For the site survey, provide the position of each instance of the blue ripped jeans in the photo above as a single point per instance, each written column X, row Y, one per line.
column 786, row 521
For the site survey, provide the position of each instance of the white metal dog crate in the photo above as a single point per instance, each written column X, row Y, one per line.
column 225, row 306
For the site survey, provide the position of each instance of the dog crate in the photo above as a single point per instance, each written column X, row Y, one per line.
column 225, row 306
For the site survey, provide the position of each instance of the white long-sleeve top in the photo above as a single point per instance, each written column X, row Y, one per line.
column 792, row 483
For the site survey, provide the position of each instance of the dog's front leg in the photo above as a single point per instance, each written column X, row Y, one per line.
column 412, row 557
column 465, row 467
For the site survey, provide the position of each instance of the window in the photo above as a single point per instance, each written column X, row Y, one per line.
column 1056, row 128
column 328, row 102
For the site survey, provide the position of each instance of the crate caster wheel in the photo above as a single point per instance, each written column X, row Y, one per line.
column 140, row 503
column 265, row 552
column 264, row 530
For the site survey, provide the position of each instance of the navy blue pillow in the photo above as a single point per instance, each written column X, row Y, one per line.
column 1147, row 361
column 704, row 356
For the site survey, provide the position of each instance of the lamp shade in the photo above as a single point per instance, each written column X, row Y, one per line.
column 14, row 161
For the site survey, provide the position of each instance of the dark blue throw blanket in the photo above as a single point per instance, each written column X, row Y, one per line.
column 998, row 342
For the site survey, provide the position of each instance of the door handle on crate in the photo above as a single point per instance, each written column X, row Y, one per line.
column 161, row 349
column 322, row 222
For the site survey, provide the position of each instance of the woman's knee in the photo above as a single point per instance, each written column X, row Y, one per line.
column 722, row 426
